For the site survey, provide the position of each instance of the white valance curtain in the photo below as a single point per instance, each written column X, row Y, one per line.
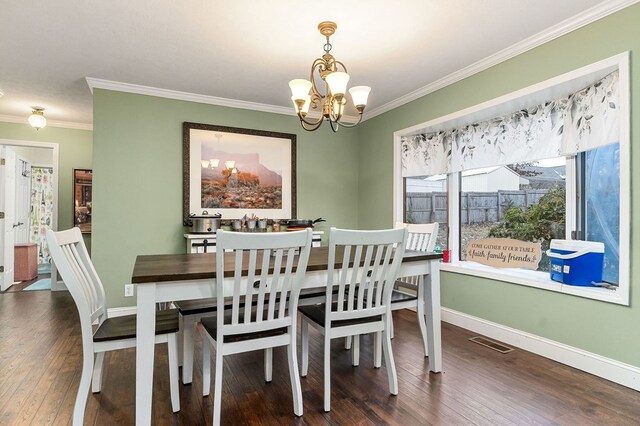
column 585, row 120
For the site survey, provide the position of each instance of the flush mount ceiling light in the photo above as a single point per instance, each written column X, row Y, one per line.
column 331, row 105
column 36, row 119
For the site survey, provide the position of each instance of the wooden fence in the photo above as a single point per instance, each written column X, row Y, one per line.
column 476, row 207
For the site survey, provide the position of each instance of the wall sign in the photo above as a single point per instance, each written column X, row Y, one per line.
column 504, row 253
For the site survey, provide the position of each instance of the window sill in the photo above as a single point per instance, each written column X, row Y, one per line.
column 535, row 279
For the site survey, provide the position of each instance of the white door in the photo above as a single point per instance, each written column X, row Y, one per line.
column 23, row 200
column 7, row 215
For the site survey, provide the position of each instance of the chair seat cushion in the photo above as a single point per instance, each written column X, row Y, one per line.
column 316, row 313
column 210, row 325
column 401, row 296
column 124, row 327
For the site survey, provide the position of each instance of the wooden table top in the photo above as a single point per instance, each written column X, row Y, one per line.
column 196, row 266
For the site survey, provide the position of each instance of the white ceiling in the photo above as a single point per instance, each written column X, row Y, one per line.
column 247, row 49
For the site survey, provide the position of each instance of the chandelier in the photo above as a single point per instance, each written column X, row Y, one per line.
column 331, row 102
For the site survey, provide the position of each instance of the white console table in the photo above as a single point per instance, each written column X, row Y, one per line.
column 206, row 243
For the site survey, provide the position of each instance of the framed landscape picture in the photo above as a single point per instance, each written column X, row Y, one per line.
column 237, row 172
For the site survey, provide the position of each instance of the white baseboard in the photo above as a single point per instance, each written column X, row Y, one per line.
column 607, row 368
column 121, row 311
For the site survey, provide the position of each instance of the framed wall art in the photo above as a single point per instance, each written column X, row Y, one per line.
column 237, row 172
column 82, row 192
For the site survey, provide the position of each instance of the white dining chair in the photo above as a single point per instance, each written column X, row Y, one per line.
column 362, row 303
column 70, row 256
column 408, row 292
column 263, row 274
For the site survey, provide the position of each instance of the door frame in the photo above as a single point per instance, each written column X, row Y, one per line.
column 55, row 285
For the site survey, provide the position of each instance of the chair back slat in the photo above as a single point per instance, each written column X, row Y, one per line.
column 249, row 290
column 237, row 282
column 72, row 260
column 422, row 237
column 365, row 288
column 266, row 277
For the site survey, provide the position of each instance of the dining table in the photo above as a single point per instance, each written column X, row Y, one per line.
column 172, row 277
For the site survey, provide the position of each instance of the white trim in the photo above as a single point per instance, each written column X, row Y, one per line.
column 535, row 279
column 575, row 22
column 50, row 123
column 607, row 368
column 96, row 83
column 121, row 311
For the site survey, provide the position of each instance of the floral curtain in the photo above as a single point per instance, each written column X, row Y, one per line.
column 584, row 120
column 41, row 209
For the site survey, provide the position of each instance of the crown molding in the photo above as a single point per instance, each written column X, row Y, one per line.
column 50, row 123
column 96, row 83
column 586, row 17
column 578, row 21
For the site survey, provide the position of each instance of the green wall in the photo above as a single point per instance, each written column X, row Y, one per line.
column 75, row 153
column 137, row 162
column 599, row 327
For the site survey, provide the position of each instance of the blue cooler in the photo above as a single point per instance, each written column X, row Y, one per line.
column 576, row 262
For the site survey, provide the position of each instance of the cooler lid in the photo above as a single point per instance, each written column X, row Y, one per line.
column 576, row 245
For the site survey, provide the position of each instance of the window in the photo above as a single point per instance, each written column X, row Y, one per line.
column 523, row 201
column 599, row 209
column 426, row 201
column 582, row 194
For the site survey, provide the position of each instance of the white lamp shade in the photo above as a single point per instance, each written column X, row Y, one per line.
column 337, row 82
column 300, row 88
column 204, row 163
column 305, row 107
column 37, row 120
column 213, row 162
column 230, row 164
column 359, row 94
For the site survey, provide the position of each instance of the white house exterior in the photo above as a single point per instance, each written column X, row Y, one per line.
column 487, row 179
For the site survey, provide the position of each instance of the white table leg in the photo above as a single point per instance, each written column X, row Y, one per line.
column 145, row 346
column 432, row 305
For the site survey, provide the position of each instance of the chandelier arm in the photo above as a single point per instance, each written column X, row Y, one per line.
column 311, row 127
column 344, row 68
column 310, row 123
column 337, row 125
column 348, row 126
column 333, row 117
column 321, row 65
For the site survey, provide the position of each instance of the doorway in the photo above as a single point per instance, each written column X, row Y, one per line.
column 28, row 208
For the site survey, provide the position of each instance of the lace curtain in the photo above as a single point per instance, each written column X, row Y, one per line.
column 41, row 209
column 585, row 120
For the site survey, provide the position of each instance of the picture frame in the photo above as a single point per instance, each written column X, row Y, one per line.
column 236, row 172
column 82, row 199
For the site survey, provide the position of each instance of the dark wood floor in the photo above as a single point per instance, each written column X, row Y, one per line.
column 40, row 354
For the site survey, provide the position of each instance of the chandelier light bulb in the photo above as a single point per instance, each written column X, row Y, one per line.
column 305, row 108
column 213, row 162
column 360, row 94
column 300, row 88
column 337, row 82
